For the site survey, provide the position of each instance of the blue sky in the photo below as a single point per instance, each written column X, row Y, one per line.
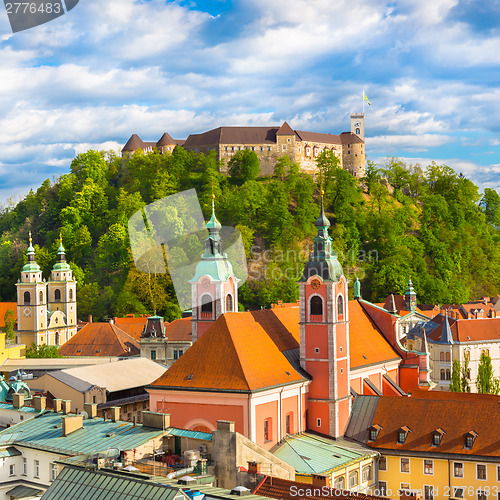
column 110, row 68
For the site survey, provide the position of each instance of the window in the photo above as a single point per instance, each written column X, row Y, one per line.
column 437, row 437
column 283, row 148
column 498, row 472
column 404, row 487
column 40, row 296
column 442, row 375
column 181, row 352
column 268, row 430
column 25, row 466
column 358, row 131
column 448, row 375
column 153, row 355
column 176, row 354
column 229, row 303
column 366, row 473
column 481, row 471
column 382, row 463
column 340, row 305
column 70, row 294
column 469, row 440
column 339, row 483
column 382, row 488
column 206, row 304
column 428, row 492
column 37, row 468
column 353, row 479
column 318, row 422
column 289, row 140
column 12, row 470
column 57, row 295
column 458, row 469
column 448, row 356
column 402, row 433
column 441, row 356
column 316, row 306
column 27, row 298
column 428, row 466
column 53, row 472
column 458, row 492
column 481, row 495
column 57, row 338
column 288, row 423
column 405, row 465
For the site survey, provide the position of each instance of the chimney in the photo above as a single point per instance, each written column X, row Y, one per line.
column 321, row 480
column 17, row 400
column 91, row 409
column 134, row 419
column 225, row 425
column 71, row 424
column 57, row 405
column 155, row 419
column 112, row 321
column 90, row 318
column 115, row 413
column 66, row 406
column 39, row 402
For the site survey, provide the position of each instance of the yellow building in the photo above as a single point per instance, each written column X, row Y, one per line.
column 46, row 311
column 435, row 444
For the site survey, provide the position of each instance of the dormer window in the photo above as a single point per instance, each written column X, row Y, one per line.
column 374, row 430
column 402, row 434
column 470, row 437
column 437, row 436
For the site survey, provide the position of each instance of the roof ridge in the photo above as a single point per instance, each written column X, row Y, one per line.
column 119, row 333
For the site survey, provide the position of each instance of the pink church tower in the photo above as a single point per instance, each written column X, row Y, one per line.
column 214, row 287
column 324, row 335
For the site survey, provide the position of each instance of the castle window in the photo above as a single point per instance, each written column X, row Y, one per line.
column 269, row 148
column 289, row 140
column 232, row 148
column 225, row 149
column 253, row 148
column 318, row 422
column 316, row 305
column 262, row 148
column 308, row 151
column 358, row 131
column 27, row 298
column 229, row 303
column 57, row 295
column 41, row 297
column 283, row 148
column 340, row 305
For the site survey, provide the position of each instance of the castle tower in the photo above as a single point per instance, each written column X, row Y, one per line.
column 214, row 287
column 61, row 292
column 410, row 297
column 324, row 335
column 358, row 125
column 31, row 302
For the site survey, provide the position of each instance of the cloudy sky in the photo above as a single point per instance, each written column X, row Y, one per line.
column 109, row 68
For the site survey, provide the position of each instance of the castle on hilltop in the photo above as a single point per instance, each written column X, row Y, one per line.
column 269, row 143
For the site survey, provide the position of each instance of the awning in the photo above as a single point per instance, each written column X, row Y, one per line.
column 23, row 492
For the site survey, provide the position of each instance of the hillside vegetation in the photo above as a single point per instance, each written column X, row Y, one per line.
column 398, row 221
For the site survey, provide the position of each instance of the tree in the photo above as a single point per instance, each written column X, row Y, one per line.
column 9, row 321
column 456, row 377
column 42, row 351
column 465, row 376
column 244, row 166
column 485, row 382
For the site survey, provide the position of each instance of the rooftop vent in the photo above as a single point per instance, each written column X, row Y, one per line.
column 190, row 376
column 240, row 491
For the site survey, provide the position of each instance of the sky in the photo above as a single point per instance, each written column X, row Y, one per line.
column 110, row 68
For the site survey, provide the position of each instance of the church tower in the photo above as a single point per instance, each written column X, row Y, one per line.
column 31, row 302
column 214, row 287
column 324, row 335
column 61, row 292
column 410, row 297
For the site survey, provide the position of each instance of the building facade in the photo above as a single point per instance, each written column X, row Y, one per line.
column 46, row 310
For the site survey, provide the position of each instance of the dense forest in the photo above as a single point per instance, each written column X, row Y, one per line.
column 398, row 221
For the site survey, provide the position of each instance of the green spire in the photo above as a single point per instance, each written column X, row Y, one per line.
column 322, row 260
column 410, row 297
column 61, row 264
column 31, row 265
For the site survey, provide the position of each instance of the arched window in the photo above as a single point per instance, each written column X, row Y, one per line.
column 447, row 356
column 41, row 297
column 353, row 479
column 339, row 483
column 448, row 375
column 229, row 303
column 206, row 304
column 27, row 298
column 358, row 131
column 442, row 375
column 57, row 338
column 71, row 294
column 316, row 305
column 340, row 305
column 57, row 295
column 441, row 356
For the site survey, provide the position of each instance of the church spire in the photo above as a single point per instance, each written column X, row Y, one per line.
column 322, row 260
column 213, row 244
column 61, row 264
column 31, row 265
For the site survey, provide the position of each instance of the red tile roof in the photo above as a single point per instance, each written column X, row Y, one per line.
column 132, row 326
column 274, row 487
column 468, row 330
column 229, row 356
column 455, row 414
column 180, row 330
column 4, row 306
column 100, row 339
column 236, row 354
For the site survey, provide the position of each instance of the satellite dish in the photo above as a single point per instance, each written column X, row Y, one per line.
column 85, row 415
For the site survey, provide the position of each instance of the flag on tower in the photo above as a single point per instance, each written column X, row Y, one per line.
column 366, row 98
